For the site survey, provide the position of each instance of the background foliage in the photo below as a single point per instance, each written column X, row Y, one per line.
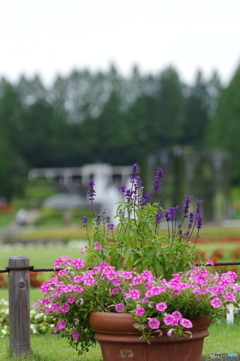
column 88, row 117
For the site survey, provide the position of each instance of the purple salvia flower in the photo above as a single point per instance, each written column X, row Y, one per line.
column 180, row 233
column 157, row 179
column 129, row 195
column 97, row 219
column 91, row 191
column 199, row 222
column 198, row 209
column 138, row 183
column 186, row 204
column 171, row 214
column 122, row 189
column 191, row 220
column 146, row 198
column 199, row 218
column 134, row 173
column 168, row 216
column 110, row 226
column 159, row 217
column 84, row 221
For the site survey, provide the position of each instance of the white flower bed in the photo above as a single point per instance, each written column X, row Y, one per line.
column 39, row 322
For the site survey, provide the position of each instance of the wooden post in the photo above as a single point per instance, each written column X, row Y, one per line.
column 19, row 310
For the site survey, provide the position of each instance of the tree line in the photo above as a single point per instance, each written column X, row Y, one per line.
column 89, row 117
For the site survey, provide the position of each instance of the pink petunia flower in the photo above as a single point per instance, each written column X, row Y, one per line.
column 140, row 311
column 210, row 262
column 127, row 275
column 136, row 280
column 45, row 287
column 147, row 275
column 78, row 289
column 114, row 291
column 177, row 315
column 116, row 282
column 65, row 308
column 216, row 302
column 155, row 290
column 229, row 297
column 62, row 272
column 98, row 246
column 63, row 261
column 186, row 323
column 59, row 326
column 119, row 307
column 153, row 323
column 55, row 307
column 71, row 299
column 75, row 335
column 170, row 320
column 161, row 306
column 88, row 280
column 68, row 288
column 134, row 294
column 78, row 263
column 78, row 278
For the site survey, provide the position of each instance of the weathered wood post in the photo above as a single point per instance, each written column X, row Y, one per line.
column 19, row 311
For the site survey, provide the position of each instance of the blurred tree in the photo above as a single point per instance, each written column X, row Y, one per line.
column 41, row 135
column 197, row 110
column 110, row 134
column 31, row 90
column 12, row 167
column 86, row 117
column 224, row 129
column 167, row 118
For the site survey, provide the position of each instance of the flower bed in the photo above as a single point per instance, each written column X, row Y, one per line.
column 39, row 322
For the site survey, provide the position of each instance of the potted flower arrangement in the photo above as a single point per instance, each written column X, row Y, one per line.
column 137, row 290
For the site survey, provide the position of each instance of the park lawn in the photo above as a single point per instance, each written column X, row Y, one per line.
column 41, row 256
column 35, row 294
column 49, row 348
column 222, row 339
column 52, row 232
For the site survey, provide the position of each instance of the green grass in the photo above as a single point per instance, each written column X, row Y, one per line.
column 41, row 256
column 35, row 294
column 50, row 348
column 6, row 218
column 48, row 233
column 222, row 339
column 209, row 235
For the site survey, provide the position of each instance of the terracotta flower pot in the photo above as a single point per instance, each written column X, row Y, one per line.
column 119, row 340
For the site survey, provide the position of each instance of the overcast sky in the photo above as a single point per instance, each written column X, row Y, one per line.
column 54, row 36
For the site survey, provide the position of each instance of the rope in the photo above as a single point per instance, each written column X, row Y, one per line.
column 29, row 268
column 32, row 269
